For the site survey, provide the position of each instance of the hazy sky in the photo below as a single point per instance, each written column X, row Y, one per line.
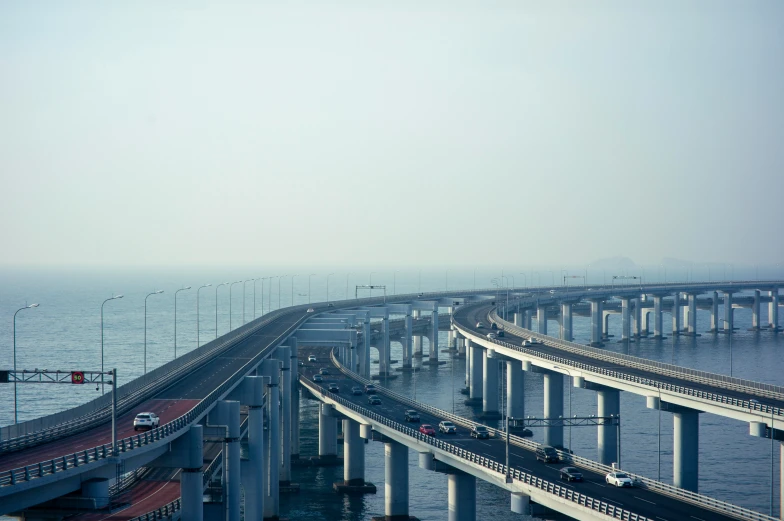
column 399, row 132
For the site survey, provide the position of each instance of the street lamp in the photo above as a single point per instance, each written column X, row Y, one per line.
column 216, row 306
column 347, row 275
column 371, row 280
column 104, row 302
column 17, row 311
column 525, row 279
column 198, row 344
column 292, row 288
column 513, row 281
column 570, row 405
column 311, row 275
column 254, row 295
column 157, row 292
column 175, row 318
column 231, row 286
column 269, row 295
column 328, row 276
column 279, row 279
column 243, row 298
column 730, row 335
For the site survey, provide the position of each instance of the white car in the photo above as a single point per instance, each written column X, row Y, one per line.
column 312, row 358
column 146, row 420
column 619, row 479
column 491, row 336
column 311, row 310
column 447, row 427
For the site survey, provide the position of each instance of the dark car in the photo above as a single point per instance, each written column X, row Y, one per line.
column 324, row 371
column 412, row 415
column 479, row 325
column 333, row 387
column 356, row 390
column 546, row 454
column 571, row 474
column 427, row 429
column 480, row 432
column 501, row 333
column 370, row 389
column 374, row 400
column 493, row 326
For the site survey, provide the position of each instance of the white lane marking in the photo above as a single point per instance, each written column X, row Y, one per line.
column 695, row 517
column 612, row 501
column 665, row 519
column 485, row 443
column 641, row 499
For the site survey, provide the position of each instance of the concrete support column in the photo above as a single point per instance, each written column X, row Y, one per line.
column 434, row 343
column 254, row 485
column 461, row 497
column 773, row 309
column 328, row 433
column 467, row 344
column 518, row 319
column 605, row 323
column 461, row 347
column 417, row 346
column 521, row 503
column 644, row 327
column 489, row 386
column 729, row 324
column 755, row 310
column 566, row 321
column 685, row 451
column 636, row 317
column 596, row 322
column 541, row 319
column 515, row 389
column 715, row 312
column 229, row 412
column 364, row 358
column 781, row 479
column 527, row 319
column 658, row 330
column 295, row 396
column 284, row 355
column 192, row 494
column 383, row 354
column 395, row 481
column 271, row 369
column 608, row 402
column 553, row 408
column 353, row 454
column 475, row 378
column 625, row 318
column 407, row 341
column 676, row 313
column 692, row 314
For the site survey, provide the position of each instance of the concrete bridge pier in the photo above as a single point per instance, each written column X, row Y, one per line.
column 489, row 385
column 605, row 324
column 384, row 357
column 515, row 389
column 395, row 481
column 475, row 390
column 676, row 313
column 271, row 368
column 191, row 481
column 714, row 327
column 407, row 341
column 434, row 339
column 295, row 396
column 773, row 310
column 596, row 323
column 353, row 462
column 608, row 402
column 467, row 345
column 541, row 319
column 328, row 434
column 461, row 496
column 461, row 347
column 685, row 451
column 417, row 339
column 553, row 407
column 518, row 319
column 566, row 321
column 253, row 480
column 729, row 315
column 521, row 503
column 636, row 317
column 227, row 413
column 755, row 311
column 283, row 353
column 644, row 329
column 658, row 329
column 625, row 319
column 527, row 319
column 692, row 314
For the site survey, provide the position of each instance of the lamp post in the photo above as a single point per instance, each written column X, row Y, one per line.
column 370, row 278
column 347, row 274
column 175, row 318
column 269, row 295
column 513, row 281
column 570, row 405
column 17, row 311
column 279, row 279
column 157, row 292
column 730, row 335
column 311, row 275
column 231, row 286
column 243, row 298
column 198, row 344
column 104, row 302
column 216, row 305
column 292, row 288
column 328, row 276
column 254, row 295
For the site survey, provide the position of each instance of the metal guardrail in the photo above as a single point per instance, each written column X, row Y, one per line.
column 170, row 511
column 641, row 481
column 717, row 380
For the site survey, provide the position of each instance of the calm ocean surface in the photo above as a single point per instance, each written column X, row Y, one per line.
column 64, row 333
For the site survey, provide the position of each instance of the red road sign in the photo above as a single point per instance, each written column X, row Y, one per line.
column 77, row 377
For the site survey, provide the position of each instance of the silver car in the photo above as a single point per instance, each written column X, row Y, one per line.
column 146, row 420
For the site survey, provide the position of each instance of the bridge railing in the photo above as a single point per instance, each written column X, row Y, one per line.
column 641, row 481
column 718, row 380
column 638, row 363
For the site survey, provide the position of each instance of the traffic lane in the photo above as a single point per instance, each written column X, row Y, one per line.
column 639, row 501
column 482, row 316
column 201, row 382
column 167, row 410
column 146, row 496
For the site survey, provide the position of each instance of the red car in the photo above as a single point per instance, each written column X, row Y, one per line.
column 427, row 429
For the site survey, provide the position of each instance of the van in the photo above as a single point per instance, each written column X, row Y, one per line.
column 546, row 454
